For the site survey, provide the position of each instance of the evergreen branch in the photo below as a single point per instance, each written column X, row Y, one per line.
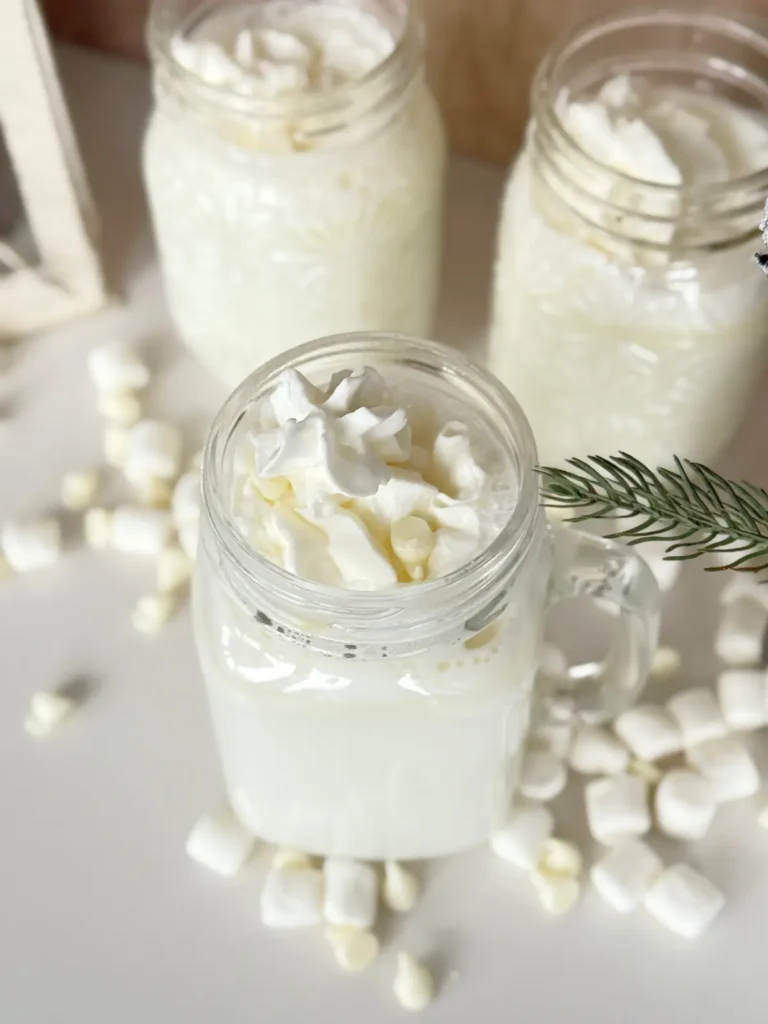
column 691, row 508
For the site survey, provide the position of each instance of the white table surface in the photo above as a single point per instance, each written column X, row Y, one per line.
column 102, row 916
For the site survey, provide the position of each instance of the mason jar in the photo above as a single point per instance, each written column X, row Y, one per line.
column 282, row 218
column 627, row 315
column 390, row 724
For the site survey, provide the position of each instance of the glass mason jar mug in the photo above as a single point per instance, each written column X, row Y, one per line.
column 627, row 311
column 390, row 724
column 294, row 165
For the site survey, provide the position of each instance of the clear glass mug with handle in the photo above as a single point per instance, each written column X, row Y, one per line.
column 391, row 724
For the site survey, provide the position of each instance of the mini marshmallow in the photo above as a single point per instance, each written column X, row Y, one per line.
column 292, row 898
column 665, row 571
column 742, row 694
column 543, row 776
column 741, row 585
column 617, row 807
column 521, row 840
column 698, row 715
column 138, row 530
column 401, row 887
column 685, row 804
column 351, row 893
column 557, row 894
column 626, row 873
column 596, row 752
column 47, row 710
column 31, row 545
column 740, row 635
column 78, row 489
column 115, row 368
column 560, row 859
column 185, row 504
column 174, row 569
column 556, row 737
column 414, row 986
column 649, row 731
column 97, row 527
column 154, row 451
column 153, row 611
column 354, row 949
column 287, row 858
column 122, row 408
column 684, row 901
column 115, row 446
column 220, row 843
column 729, row 767
column 666, row 664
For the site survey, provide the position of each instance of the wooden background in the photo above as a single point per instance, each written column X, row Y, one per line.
column 482, row 53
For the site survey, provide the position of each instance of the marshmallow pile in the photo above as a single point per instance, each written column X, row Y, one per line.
column 336, row 485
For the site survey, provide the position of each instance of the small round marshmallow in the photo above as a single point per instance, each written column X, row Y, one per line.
column 684, row 901
column 121, row 408
column 351, row 893
column 30, row 545
column 698, row 716
column 729, row 767
column 685, row 804
column 626, row 873
column 115, row 446
column 649, row 731
column 154, row 451
column 543, row 776
column 560, row 859
column 596, row 752
column 740, row 635
column 78, row 489
column 153, row 611
column 742, row 694
column 174, row 569
column 666, row 664
column 115, row 368
column 617, row 807
column 139, row 530
column 47, row 710
column 220, row 843
column 97, row 527
column 292, row 898
column 521, row 840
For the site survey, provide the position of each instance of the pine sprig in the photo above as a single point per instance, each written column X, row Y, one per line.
column 691, row 509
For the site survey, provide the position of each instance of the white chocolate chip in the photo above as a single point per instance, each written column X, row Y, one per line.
column 698, row 716
column 617, row 807
column 729, row 767
column 292, row 898
column 78, row 489
column 414, row 986
column 122, row 408
column 684, row 901
column 115, row 367
column 560, row 859
column 174, row 569
column 30, row 545
column 47, row 710
column 742, row 694
column 543, row 775
column 97, row 527
column 685, row 804
column 287, row 858
column 521, row 840
column 667, row 662
column 649, row 731
column 220, row 843
column 401, row 887
column 351, row 893
column 557, row 894
column 626, row 873
column 354, row 949
column 596, row 752
column 153, row 611
column 739, row 638
column 138, row 530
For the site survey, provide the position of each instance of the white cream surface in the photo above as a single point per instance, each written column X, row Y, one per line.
column 610, row 344
column 336, row 486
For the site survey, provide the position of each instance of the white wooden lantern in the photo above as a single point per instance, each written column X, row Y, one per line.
column 49, row 267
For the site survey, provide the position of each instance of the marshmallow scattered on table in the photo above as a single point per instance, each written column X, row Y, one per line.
column 139, row 530
column 173, row 569
column 685, row 804
column 698, row 715
column 220, row 843
column 354, row 949
column 625, row 874
column 729, row 767
column 292, row 898
column 741, row 585
column 78, row 489
column 47, row 710
column 414, row 986
column 97, row 527
column 122, row 408
column 649, row 731
column 401, row 887
column 351, row 893
column 560, row 859
column 543, row 775
column 684, row 901
column 31, row 544
column 595, row 751
column 153, row 611
column 154, row 451
column 116, row 368
column 742, row 695
column 741, row 633
column 557, row 893
column 521, row 840
column 617, row 807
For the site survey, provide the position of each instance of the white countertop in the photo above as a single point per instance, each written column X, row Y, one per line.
column 102, row 916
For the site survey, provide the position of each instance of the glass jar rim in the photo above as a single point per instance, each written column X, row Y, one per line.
column 544, row 93
column 377, row 84
column 457, row 596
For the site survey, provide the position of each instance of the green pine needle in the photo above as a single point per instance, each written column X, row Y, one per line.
column 692, row 509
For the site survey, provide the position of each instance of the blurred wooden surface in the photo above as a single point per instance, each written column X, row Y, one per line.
column 482, row 53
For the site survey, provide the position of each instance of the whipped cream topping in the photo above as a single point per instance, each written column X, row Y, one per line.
column 283, row 48
column 338, row 486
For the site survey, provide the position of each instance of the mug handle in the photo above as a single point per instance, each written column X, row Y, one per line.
column 614, row 575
